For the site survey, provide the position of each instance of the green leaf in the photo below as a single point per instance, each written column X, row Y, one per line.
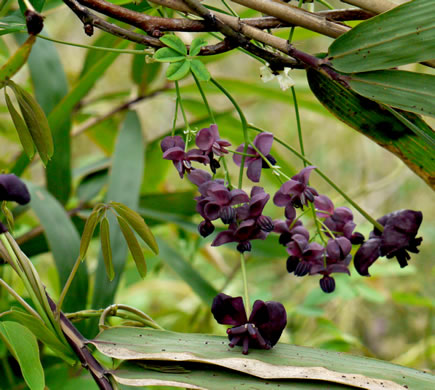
column 195, row 46
column 408, row 91
column 42, row 333
column 15, row 63
column 200, row 71
column 12, row 23
column 166, row 54
column 128, row 157
column 138, row 224
column 24, row 347
column 88, row 231
column 36, row 122
column 186, row 272
column 21, row 127
column 50, row 87
column 282, row 362
column 64, row 242
column 413, row 299
column 106, row 248
column 178, row 70
column 133, row 245
column 175, row 43
column 403, row 35
column 367, row 117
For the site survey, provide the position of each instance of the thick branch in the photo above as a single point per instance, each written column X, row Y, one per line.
column 376, row 6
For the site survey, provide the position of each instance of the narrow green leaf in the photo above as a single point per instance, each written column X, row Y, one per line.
column 195, row 46
column 106, row 249
column 175, row 43
column 178, row 70
column 21, row 127
column 123, row 188
column 133, row 245
column 15, row 63
column 408, row 91
column 36, row 122
column 166, row 54
column 23, row 345
column 186, row 272
column 138, row 224
column 283, row 361
column 8, row 215
column 40, row 330
column 64, row 243
column 143, row 73
column 12, row 23
column 375, row 122
column 200, row 70
column 88, row 231
column 403, row 35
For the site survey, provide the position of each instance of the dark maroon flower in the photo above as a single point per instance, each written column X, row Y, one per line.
column 295, row 192
column 205, row 228
column 286, row 234
column 327, row 284
column 254, row 209
column 306, row 253
column 262, row 330
column 242, row 234
column 397, row 238
column 263, row 142
column 323, row 203
column 173, row 149
column 210, row 143
column 13, row 189
column 341, row 224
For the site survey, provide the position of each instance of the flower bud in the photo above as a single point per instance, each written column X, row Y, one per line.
column 244, row 246
column 205, row 228
column 327, row 284
column 302, row 268
column 34, row 22
column 292, row 263
column 228, row 215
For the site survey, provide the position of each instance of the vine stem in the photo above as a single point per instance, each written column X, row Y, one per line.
column 364, row 213
column 244, row 126
column 245, row 285
column 204, row 98
column 67, row 286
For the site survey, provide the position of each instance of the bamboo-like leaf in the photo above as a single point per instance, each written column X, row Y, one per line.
column 133, row 245
column 138, row 224
column 21, row 127
column 14, row 64
column 284, row 361
column 408, row 91
column 36, row 122
column 24, row 347
column 369, row 118
column 106, row 248
column 88, row 231
column 9, row 216
column 403, row 35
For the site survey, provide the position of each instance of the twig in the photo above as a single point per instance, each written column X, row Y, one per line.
column 376, row 6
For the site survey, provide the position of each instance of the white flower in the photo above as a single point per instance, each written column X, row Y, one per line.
column 284, row 80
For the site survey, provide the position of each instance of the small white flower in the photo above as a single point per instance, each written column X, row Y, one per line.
column 284, row 80
column 266, row 74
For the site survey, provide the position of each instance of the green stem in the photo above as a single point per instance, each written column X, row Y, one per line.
column 241, row 153
column 17, row 296
column 174, row 123
column 228, row 7
column 227, row 173
column 292, row 30
column 298, row 123
column 98, row 48
column 244, row 126
column 325, row 3
column 66, row 287
column 245, row 285
column 29, row 5
column 186, row 123
column 201, row 91
column 366, row 215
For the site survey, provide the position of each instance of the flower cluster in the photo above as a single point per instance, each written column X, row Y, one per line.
column 328, row 252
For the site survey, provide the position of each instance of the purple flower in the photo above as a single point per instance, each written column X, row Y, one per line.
column 210, row 143
column 173, row 149
column 262, row 330
column 398, row 237
column 286, row 234
column 341, row 224
column 254, row 209
column 13, row 189
column 295, row 192
column 323, row 203
column 303, row 255
column 242, row 234
column 263, row 142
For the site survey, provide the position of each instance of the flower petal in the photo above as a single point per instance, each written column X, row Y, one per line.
column 198, row 177
column 205, row 139
column 366, row 255
column 263, row 142
column 223, row 238
column 228, row 310
column 13, row 189
column 254, row 170
column 170, row 142
column 270, row 318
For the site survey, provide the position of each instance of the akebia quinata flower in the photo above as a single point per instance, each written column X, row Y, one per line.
column 14, row 190
column 254, row 162
column 396, row 240
column 262, row 330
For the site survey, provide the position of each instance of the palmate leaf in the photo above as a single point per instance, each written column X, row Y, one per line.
column 178, row 70
column 175, row 43
column 375, row 122
column 282, row 362
column 403, row 35
column 166, row 54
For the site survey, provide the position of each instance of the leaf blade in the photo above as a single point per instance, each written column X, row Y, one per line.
column 106, row 248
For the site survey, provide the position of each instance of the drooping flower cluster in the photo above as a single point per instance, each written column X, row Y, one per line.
column 326, row 253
